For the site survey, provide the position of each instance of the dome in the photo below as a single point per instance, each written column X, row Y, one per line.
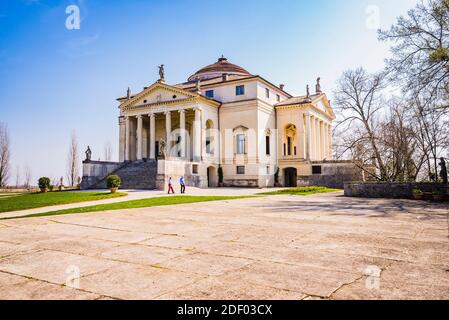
column 222, row 66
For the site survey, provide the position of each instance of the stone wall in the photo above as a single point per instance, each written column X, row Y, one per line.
column 389, row 190
column 334, row 174
column 95, row 171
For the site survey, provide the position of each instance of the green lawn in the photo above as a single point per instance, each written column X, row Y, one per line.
column 142, row 203
column 301, row 191
column 39, row 200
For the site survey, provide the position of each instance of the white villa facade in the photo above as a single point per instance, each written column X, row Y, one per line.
column 223, row 117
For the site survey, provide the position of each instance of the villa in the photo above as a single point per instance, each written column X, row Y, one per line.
column 223, row 117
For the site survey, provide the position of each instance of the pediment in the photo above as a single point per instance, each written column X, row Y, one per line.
column 158, row 93
column 240, row 128
column 323, row 105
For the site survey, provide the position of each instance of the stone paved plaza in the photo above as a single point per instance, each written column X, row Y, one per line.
column 278, row 247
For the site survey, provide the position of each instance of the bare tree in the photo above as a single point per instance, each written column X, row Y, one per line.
column 359, row 100
column 421, row 52
column 4, row 154
column 431, row 133
column 17, row 176
column 72, row 160
column 27, row 176
column 107, row 151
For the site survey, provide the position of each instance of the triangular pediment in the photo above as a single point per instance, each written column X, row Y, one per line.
column 158, row 93
column 323, row 105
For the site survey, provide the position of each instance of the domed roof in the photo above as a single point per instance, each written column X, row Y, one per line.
column 222, row 66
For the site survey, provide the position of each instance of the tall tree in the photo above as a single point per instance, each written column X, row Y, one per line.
column 420, row 59
column 107, row 151
column 17, row 176
column 27, row 176
column 358, row 99
column 4, row 154
column 72, row 160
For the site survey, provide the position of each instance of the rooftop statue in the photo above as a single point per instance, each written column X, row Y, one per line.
column 88, row 154
column 161, row 72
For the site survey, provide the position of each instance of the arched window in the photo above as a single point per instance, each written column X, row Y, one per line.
column 290, row 140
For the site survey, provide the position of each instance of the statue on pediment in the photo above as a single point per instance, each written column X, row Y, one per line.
column 161, row 73
column 318, row 86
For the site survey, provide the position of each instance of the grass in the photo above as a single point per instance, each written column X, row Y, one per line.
column 39, row 200
column 301, row 191
column 133, row 204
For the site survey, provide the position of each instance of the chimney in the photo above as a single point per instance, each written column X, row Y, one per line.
column 225, row 77
column 282, row 86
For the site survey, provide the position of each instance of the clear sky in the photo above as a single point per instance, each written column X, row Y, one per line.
column 54, row 80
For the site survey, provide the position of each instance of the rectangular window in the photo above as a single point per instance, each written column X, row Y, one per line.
column 240, row 169
column 267, row 93
column 208, row 146
column 240, row 90
column 316, row 169
column 285, row 153
column 289, row 145
column 194, row 169
column 210, row 93
column 240, row 144
column 278, row 98
column 267, row 145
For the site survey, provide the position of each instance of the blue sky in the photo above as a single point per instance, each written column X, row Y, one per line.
column 54, row 80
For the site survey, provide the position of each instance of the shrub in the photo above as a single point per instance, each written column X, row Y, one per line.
column 417, row 191
column 51, row 188
column 44, row 183
column 113, row 181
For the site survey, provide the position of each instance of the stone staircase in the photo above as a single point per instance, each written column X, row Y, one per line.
column 134, row 175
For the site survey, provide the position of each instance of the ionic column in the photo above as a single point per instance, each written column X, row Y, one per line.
column 127, row 137
column 168, row 133
column 308, row 138
column 325, row 141
column 318, row 140
column 139, row 138
column 182, row 129
column 152, row 136
column 197, row 135
column 329, row 149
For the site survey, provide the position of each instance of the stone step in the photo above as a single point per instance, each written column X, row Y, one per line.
column 135, row 175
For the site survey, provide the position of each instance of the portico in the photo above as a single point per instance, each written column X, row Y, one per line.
column 180, row 130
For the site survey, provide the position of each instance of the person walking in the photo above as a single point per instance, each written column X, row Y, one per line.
column 182, row 184
column 170, row 186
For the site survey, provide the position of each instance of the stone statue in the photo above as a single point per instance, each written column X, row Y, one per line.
column 128, row 93
column 443, row 171
column 318, row 85
column 161, row 72
column 162, row 148
column 198, row 85
column 88, row 154
column 307, row 91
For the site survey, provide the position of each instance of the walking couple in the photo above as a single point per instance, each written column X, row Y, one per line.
column 181, row 183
